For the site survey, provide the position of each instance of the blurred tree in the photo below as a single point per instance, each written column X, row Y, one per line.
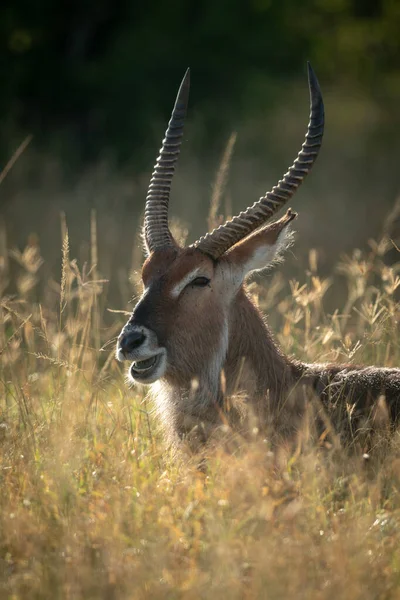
column 86, row 76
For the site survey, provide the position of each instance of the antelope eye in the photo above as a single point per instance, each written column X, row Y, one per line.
column 200, row 281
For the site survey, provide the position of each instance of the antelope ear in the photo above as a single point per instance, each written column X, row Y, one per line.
column 262, row 248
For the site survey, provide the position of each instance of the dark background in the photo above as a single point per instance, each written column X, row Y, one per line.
column 94, row 83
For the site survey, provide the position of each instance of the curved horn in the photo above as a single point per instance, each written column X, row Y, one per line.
column 221, row 239
column 156, row 228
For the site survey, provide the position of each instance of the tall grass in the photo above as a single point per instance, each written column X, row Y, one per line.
column 91, row 504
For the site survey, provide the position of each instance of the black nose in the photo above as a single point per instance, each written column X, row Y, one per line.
column 130, row 340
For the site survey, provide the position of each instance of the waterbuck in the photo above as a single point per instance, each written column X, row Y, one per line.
column 197, row 336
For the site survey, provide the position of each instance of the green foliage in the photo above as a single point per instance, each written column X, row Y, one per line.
column 92, row 76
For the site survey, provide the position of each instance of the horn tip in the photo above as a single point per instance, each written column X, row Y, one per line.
column 317, row 102
column 186, row 77
column 313, row 79
column 311, row 73
column 183, row 92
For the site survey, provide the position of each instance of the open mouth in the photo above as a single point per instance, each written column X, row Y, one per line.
column 144, row 369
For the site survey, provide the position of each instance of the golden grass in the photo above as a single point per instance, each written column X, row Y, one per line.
column 219, row 187
column 92, row 506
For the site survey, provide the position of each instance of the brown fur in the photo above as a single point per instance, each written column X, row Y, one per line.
column 223, row 365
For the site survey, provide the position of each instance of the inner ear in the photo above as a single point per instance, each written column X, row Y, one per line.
column 262, row 248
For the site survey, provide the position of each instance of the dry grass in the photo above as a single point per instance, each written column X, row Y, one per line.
column 91, row 506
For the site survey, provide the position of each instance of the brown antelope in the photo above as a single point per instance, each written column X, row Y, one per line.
column 196, row 335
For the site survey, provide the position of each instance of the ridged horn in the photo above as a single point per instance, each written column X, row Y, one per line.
column 156, row 228
column 221, row 239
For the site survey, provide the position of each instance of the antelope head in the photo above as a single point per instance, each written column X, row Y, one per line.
column 181, row 326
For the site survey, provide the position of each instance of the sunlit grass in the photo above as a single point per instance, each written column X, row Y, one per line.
column 93, row 506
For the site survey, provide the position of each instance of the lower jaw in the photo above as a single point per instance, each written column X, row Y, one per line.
column 146, row 376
